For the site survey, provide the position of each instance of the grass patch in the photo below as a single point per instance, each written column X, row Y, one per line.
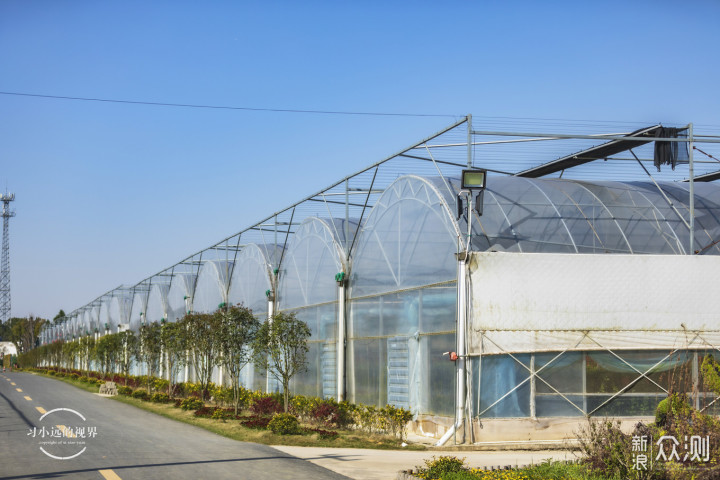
column 453, row 468
column 234, row 430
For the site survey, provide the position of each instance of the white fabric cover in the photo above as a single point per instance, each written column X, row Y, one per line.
column 524, row 302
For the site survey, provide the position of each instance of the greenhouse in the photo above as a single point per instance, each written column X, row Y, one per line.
column 567, row 285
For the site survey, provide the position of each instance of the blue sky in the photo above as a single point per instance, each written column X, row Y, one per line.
column 110, row 193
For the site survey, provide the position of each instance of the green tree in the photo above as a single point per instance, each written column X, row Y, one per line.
column 200, row 332
column 238, row 329
column 107, row 352
column 150, row 349
column 55, row 353
column 23, row 332
column 173, row 343
column 86, row 352
column 59, row 318
column 281, row 347
column 70, row 354
column 128, row 351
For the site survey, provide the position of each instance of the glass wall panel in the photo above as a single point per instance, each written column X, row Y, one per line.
column 559, row 384
column 320, row 379
column 575, row 383
column 504, row 386
column 400, row 333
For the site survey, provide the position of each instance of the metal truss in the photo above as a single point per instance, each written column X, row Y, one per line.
column 445, row 154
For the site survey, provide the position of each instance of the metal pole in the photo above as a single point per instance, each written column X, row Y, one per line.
column 271, row 312
column 533, row 391
column 469, row 141
column 341, row 344
column 347, row 218
column 692, row 189
column 461, row 391
column 696, row 381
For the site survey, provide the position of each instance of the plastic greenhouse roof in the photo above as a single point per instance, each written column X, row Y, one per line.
column 572, row 216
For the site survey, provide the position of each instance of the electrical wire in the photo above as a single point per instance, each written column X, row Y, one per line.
column 224, row 107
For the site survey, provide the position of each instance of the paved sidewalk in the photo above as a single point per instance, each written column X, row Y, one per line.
column 367, row 464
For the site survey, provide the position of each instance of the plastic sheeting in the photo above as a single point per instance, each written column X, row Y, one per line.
column 409, row 240
column 180, row 296
column 569, row 216
column 106, row 324
column 157, row 307
column 119, row 308
column 137, row 313
column 309, row 266
column 312, row 260
column 251, row 277
column 211, row 286
column 399, row 322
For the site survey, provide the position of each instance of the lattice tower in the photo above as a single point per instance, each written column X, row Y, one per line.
column 5, row 267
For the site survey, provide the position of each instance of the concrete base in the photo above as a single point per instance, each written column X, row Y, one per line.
column 513, row 433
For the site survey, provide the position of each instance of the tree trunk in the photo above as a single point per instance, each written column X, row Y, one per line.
column 286, row 393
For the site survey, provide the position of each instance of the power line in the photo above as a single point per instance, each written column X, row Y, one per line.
column 224, row 107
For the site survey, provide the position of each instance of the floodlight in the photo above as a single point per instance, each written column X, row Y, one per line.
column 473, row 179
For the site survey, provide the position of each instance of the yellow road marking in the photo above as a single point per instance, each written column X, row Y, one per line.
column 19, row 390
column 28, row 398
column 41, row 410
column 67, row 432
column 109, row 475
column 13, row 383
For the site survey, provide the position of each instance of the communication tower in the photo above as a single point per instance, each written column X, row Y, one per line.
column 6, row 198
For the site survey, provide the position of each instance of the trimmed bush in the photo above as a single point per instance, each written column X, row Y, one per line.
column 284, row 424
column 141, row 394
column 125, row 390
column 160, row 398
column 256, row 422
column 191, row 403
column 266, row 406
column 205, row 412
column 441, row 466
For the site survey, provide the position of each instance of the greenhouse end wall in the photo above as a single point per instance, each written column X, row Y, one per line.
column 555, row 338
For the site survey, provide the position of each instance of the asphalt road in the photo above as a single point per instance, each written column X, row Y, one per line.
column 96, row 437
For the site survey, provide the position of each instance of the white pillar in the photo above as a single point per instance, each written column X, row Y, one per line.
column 340, row 353
column 460, row 381
column 271, row 312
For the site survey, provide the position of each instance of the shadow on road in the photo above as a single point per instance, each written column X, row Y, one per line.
column 56, row 474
